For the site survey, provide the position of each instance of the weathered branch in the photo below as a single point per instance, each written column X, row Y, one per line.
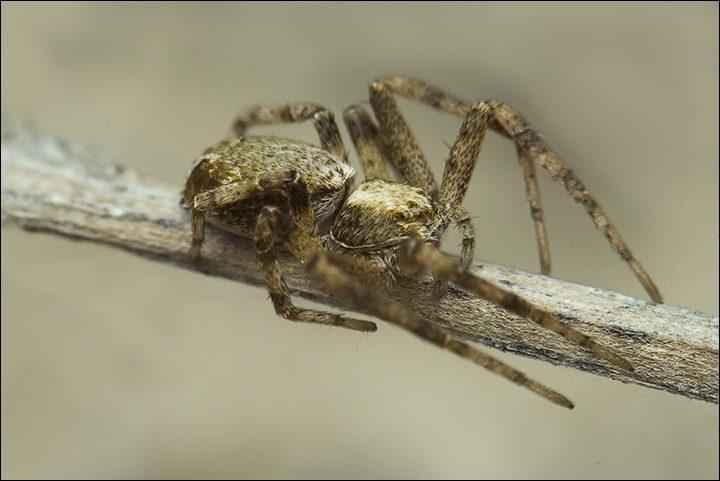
column 60, row 187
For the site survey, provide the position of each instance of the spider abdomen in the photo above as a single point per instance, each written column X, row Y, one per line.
column 326, row 177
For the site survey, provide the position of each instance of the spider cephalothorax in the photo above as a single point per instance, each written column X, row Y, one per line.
column 387, row 213
column 356, row 243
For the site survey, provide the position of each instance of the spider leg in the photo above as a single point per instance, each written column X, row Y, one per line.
column 297, row 229
column 410, row 161
column 368, row 142
column 528, row 140
column 197, row 224
column 462, row 158
column 533, row 196
column 459, row 167
column 402, row 146
column 417, row 90
column 224, row 196
column 323, row 121
column 414, row 253
column 511, row 124
column 463, row 155
column 228, row 194
column 345, row 287
column 265, row 247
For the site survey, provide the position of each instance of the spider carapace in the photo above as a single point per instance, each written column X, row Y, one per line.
column 358, row 242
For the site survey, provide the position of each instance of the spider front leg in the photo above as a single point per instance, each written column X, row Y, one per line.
column 368, row 142
column 463, row 155
column 345, row 287
column 298, row 229
column 402, row 147
column 459, row 165
column 531, row 148
column 527, row 140
column 532, row 190
column 414, row 253
column 323, row 121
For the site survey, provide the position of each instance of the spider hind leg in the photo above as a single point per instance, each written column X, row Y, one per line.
column 322, row 266
column 414, row 252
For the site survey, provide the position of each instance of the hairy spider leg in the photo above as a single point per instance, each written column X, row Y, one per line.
column 344, row 287
column 402, row 147
column 323, row 121
column 368, row 142
column 303, row 238
column 414, row 252
column 511, row 124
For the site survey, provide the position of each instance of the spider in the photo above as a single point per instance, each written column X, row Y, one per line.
column 357, row 243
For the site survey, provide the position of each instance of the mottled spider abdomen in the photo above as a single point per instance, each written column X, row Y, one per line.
column 243, row 162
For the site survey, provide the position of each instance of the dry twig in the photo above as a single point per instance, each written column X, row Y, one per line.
column 60, row 187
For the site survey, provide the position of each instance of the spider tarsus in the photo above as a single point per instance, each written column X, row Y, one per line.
column 553, row 396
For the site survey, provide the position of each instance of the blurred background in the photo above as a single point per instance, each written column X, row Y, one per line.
column 113, row 366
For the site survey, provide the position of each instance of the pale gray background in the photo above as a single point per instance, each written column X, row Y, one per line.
column 113, row 366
